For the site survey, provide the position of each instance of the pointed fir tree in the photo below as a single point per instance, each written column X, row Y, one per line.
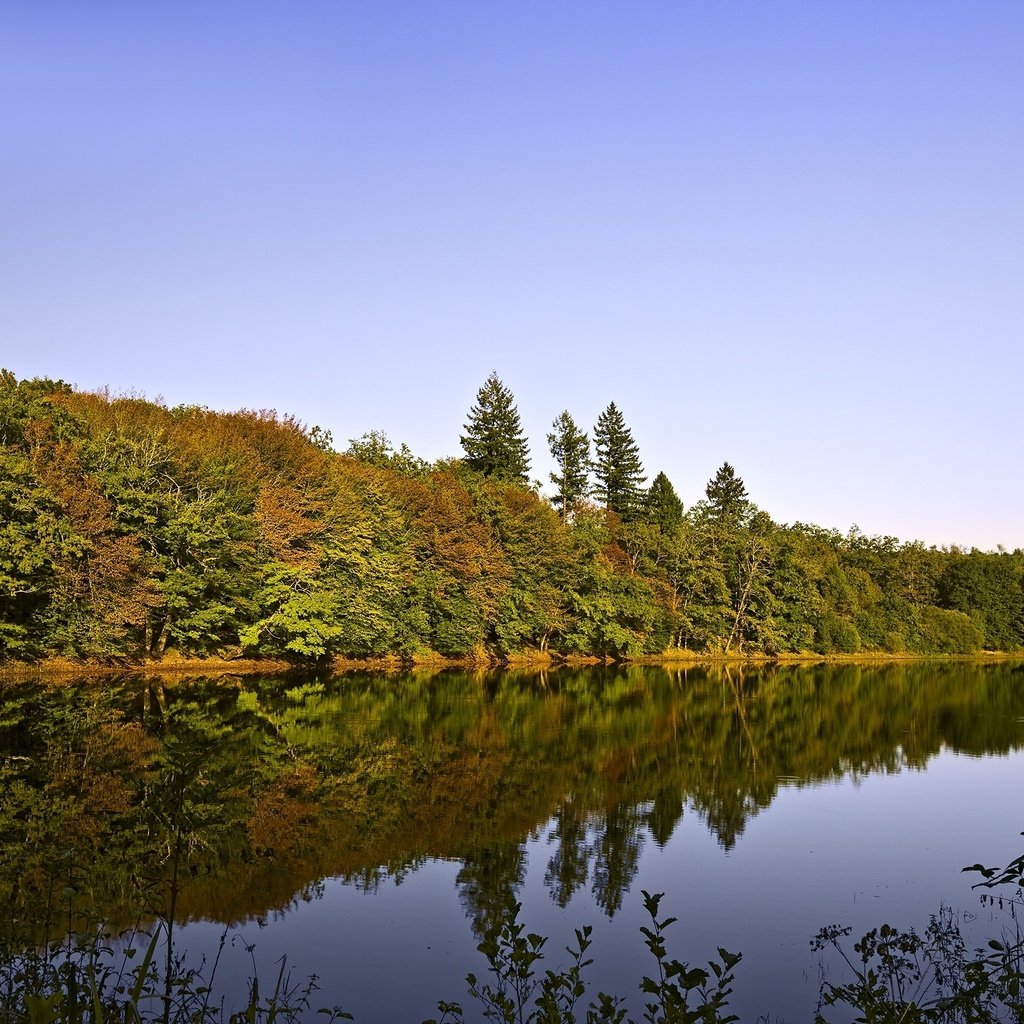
column 617, row 467
column 662, row 506
column 570, row 448
column 726, row 493
column 494, row 443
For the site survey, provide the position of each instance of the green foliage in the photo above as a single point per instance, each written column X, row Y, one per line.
column 990, row 588
column 493, row 441
column 532, row 608
column 662, row 507
column 836, row 635
column 944, row 631
column 34, row 538
column 375, row 449
column 617, row 465
column 570, row 448
column 33, row 409
column 727, row 494
column 131, row 531
column 610, row 611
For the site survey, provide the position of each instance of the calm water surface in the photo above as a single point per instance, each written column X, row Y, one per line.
column 373, row 828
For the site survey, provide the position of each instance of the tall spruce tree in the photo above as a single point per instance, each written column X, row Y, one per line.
column 727, row 494
column 494, row 443
column 570, row 448
column 662, row 506
column 617, row 467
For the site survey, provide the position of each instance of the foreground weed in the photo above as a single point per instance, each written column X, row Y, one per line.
column 517, row 993
column 92, row 984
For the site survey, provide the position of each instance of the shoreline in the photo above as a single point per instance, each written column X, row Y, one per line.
column 66, row 669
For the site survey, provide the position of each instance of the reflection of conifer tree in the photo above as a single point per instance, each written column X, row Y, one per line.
column 570, row 863
column 617, row 857
column 726, row 811
column 488, row 883
column 664, row 815
column 736, row 790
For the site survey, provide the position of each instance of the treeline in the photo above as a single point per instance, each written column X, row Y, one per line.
column 130, row 530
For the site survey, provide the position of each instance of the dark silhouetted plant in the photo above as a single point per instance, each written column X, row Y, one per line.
column 902, row 976
column 519, row 994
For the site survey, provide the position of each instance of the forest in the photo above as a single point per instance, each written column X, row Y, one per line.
column 131, row 531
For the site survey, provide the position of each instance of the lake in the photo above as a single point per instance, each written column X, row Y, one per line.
column 373, row 827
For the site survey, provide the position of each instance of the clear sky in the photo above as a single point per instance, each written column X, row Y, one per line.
column 789, row 235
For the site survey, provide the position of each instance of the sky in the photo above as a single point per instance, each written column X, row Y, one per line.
column 787, row 235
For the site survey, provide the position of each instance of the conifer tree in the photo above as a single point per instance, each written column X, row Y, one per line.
column 570, row 448
column 662, row 506
column 494, row 443
column 726, row 493
column 617, row 467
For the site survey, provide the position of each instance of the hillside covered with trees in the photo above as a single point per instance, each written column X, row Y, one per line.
column 129, row 530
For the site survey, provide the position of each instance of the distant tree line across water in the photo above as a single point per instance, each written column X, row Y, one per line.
column 129, row 530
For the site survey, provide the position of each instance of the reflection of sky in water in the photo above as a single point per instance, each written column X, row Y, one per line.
column 885, row 847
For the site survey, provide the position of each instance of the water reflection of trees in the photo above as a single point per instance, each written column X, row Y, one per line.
column 488, row 883
column 292, row 781
column 569, row 864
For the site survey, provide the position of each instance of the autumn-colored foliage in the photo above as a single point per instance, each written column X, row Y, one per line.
column 129, row 530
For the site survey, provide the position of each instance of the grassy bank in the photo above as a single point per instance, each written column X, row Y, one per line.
column 68, row 669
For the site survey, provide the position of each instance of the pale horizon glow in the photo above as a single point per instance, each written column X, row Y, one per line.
column 785, row 235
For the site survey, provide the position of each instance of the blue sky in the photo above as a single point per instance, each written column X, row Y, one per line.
column 786, row 235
